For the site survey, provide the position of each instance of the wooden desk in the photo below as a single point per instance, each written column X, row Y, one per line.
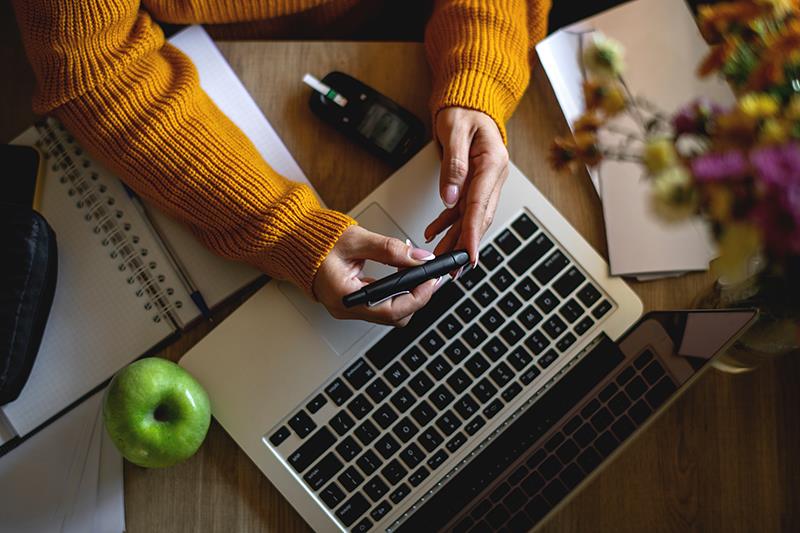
column 723, row 458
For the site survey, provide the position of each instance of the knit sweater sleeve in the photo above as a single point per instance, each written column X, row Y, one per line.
column 134, row 101
column 479, row 53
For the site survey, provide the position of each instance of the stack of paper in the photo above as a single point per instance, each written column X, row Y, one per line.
column 67, row 478
column 662, row 50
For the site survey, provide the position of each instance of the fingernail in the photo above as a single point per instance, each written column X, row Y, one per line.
column 439, row 282
column 450, row 196
column 421, row 255
column 475, row 263
column 458, row 273
column 408, row 243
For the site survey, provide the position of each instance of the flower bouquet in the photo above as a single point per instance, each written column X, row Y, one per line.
column 737, row 166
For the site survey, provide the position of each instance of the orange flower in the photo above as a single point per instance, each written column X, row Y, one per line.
column 588, row 122
column 715, row 58
column 768, row 73
column 604, row 96
column 717, row 20
column 734, row 129
column 587, row 148
column 563, row 155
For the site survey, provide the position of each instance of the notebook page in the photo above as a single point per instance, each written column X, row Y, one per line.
column 97, row 324
column 216, row 277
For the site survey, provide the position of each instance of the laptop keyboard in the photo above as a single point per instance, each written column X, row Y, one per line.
column 421, row 392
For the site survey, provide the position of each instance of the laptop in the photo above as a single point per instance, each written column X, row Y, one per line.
column 503, row 395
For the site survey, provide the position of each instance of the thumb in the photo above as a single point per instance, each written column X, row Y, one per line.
column 390, row 251
column 453, row 173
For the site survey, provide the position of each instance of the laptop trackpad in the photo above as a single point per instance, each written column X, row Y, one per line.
column 341, row 335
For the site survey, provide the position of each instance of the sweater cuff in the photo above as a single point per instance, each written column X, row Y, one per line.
column 471, row 89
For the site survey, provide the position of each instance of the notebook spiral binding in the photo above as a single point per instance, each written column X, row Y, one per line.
column 61, row 151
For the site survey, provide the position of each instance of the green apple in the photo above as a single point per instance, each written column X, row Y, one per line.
column 156, row 413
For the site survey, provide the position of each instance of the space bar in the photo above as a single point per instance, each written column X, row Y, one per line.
column 394, row 342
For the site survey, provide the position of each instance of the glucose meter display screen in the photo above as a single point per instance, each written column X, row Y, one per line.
column 382, row 127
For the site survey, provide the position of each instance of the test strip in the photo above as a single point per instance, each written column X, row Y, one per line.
column 323, row 89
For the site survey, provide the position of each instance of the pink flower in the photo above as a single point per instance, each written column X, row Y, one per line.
column 695, row 116
column 719, row 166
column 779, row 165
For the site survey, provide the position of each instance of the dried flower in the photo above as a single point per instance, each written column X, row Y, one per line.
column 659, row 155
column 719, row 166
column 694, row 117
column 588, row 122
column 606, row 97
column 603, row 57
column 673, row 197
column 563, row 155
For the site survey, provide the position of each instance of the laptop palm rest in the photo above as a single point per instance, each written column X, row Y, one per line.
column 343, row 335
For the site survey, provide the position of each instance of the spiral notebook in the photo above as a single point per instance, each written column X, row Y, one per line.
column 117, row 295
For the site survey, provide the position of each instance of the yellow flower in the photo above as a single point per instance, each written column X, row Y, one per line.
column 778, row 7
column 773, row 131
column 602, row 57
column 673, row 195
column 758, row 105
column 738, row 244
column 720, row 202
column 659, row 155
column 792, row 110
column 606, row 97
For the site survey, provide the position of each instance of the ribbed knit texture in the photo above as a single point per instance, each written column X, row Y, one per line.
column 135, row 103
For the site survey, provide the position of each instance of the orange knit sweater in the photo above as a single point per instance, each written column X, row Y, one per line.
column 134, row 101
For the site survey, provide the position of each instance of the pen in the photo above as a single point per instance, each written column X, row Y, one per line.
column 405, row 280
column 180, row 270
column 326, row 91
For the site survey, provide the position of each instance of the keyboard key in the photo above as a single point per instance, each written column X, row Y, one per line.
column 405, row 429
column 489, row 257
column 384, row 416
column 368, row 462
column 518, row 475
column 584, row 325
column 456, row 351
column 474, row 425
column 530, row 317
column 437, row 459
column 552, row 265
column 431, row 342
column 375, row 489
column 502, row 279
column 439, row 368
column 414, row 358
column 360, row 406
column 338, row 392
column 619, row 403
column 537, row 508
column 526, row 288
column 474, row 335
column 573, row 424
column 491, row 320
column 456, row 442
column 643, row 359
column 471, row 277
column 659, row 394
column 449, row 326
column 484, row 390
column 507, row 241
column 403, row 400
column 571, row 310
column 639, row 412
column 509, row 304
column 497, row 517
column 529, row 375
column 350, row 479
column 653, row 372
column 380, row 511
column 511, row 391
column 606, row 443
column 569, row 281
column 519, row 358
column 588, row 295
column 341, row 423
column 466, row 406
column 533, row 483
column 498, row 493
column 485, row 295
column 532, row 252
column 512, row 333
column 548, row 358
column 348, row 449
column 399, row 493
column 554, row 327
column 396, row 374
column 359, row 374
column 363, row 526
column 607, row 392
column 536, row 458
column 459, row 381
column 464, row 525
column 366, row 432
column 378, row 390
column 316, row 403
column 493, row 408
column 423, row 413
column 311, row 449
column 602, row 419
column 386, row 446
column 394, row 472
column 601, row 309
column 567, row 451
column 421, row 383
column 418, row 476
column 589, row 460
column 332, row 495
column 571, row 476
column 467, row 310
column 520, row 521
column 430, row 439
column 494, row 349
column 625, row 376
column 623, row 427
column 585, row 435
column 412, row 455
column 554, row 492
column 537, row 342
column 323, row 471
column 398, row 340
column 448, row 423
column 501, row 374
column 477, row 365
column 554, row 441
column 565, row 342
column 524, row 226
column 279, row 436
column 546, row 301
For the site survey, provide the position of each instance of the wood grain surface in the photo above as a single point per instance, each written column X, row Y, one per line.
column 724, row 457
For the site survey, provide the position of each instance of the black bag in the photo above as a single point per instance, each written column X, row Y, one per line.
column 30, row 262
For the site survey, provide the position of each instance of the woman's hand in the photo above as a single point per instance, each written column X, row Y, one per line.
column 474, row 168
column 340, row 272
